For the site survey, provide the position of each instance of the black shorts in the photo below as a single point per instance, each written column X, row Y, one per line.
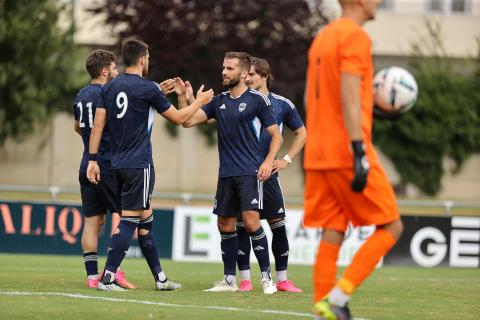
column 98, row 199
column 136, row 187
column 237, row 194
column 273, row 203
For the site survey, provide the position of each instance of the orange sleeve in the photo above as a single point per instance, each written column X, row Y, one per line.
column 355, row 53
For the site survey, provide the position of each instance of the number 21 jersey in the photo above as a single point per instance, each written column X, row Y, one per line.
column 84, row 110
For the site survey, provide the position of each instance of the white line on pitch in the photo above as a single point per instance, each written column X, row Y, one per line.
column 162, row 304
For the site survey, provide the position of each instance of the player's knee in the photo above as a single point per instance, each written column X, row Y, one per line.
column 395, row 228
column 252, row 220
column 143, row 232
column 252, row 225
column 332, row 236
column 226, row 225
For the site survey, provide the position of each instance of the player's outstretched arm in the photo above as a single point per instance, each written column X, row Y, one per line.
column 167, row 86
column 297, row 145
column 183, row 115
column 181, row 91
column 93, row 170
column 266, row 168
column 351, row 108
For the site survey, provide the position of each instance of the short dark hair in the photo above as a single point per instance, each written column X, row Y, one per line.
column 243, row 58
column 262, row 67
column 133, row 50
column 97, row 60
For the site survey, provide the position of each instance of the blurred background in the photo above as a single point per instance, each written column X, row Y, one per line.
column 432, row 153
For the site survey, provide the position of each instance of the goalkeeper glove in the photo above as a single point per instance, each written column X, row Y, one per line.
column 360, row 166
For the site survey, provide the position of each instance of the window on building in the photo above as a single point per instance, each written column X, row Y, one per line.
column 459, row 6
column 448, row 6
column 436, row 5
column 386, row 5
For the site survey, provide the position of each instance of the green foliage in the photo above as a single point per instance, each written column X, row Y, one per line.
column 196, row 34
column 445, row 122
column 37, row 65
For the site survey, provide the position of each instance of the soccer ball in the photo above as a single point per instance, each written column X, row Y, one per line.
column 397, row 88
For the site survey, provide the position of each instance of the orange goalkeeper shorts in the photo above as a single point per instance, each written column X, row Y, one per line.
column 330, row 202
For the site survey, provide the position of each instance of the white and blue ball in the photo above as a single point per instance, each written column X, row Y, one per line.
column 396, row 87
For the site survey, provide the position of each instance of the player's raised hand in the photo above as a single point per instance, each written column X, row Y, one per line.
column 265, row 170
column 360, row 166
column 180, row 88
column 204, row 97
column 189, row 92
column 167, row 86
column 93, row 172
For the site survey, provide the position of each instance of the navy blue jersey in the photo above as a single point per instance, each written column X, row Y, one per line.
column 84, row 108
column 239, row 124
column 285, row 113
column 131, row 102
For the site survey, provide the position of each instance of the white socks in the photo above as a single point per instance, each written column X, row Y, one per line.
column 266, row 275
column 245, row 274
column 230, row 279
column 282, row 275
column 162, row 276
column 337, row 297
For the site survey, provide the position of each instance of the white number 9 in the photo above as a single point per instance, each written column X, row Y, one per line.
column 122, row 103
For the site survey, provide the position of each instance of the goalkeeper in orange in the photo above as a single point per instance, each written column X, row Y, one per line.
column 344, row 179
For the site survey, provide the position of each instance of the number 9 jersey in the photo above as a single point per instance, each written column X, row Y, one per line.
column 84, row 109
column 130, row 102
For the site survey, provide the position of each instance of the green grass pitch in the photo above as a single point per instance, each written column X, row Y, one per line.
column 52, row 287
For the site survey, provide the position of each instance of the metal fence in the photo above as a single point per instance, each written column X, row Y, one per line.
column 186, row 197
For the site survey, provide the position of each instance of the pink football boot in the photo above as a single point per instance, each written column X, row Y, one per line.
column 287, row 286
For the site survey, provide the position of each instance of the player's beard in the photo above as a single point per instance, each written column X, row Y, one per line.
column 231, row 83
column 110, row 76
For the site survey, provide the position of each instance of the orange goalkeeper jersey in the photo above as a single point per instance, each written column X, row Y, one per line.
column 340, row 47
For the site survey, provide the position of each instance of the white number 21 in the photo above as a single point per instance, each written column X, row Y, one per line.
column 122, row 103
column 90, row 115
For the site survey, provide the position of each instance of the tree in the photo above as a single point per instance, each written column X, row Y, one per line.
column 36, row 65
column 189, row 38
column 445, row 122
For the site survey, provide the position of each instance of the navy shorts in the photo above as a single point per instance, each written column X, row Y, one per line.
column 98, row 199
column 237, row 194
column 136, row 187
column 273, row 203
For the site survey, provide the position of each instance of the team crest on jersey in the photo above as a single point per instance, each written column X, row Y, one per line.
column 242, row 106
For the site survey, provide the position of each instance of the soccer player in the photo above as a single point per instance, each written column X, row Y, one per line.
column 240, row 114
column 129, row 102
column 344, row 179
column 96, row 200
column 260, row 78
